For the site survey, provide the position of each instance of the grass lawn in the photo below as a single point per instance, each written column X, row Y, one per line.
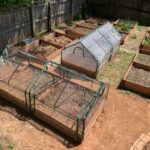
column 115, row 70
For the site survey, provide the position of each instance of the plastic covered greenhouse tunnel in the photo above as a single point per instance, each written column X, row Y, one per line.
column 64, row 99
column 89, row 54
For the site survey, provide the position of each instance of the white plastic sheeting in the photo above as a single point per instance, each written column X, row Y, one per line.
column 100, row 44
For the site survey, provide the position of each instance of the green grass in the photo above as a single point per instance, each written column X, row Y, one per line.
column 115, row 70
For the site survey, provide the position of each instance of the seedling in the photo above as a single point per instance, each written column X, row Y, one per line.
column 133, row 36
column 147, row 41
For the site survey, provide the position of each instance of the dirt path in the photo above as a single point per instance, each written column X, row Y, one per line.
column 121, row 123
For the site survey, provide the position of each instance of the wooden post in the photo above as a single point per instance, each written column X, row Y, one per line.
column 49, row 27
column 32, row 21
column 71, row 10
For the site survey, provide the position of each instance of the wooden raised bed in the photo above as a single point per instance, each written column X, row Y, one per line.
column 125, row 34
column 54, row 95
column 137, row 86
column 56, row 39
column 39, row 48
column 78, row 32
column 87, row 25
column 142, row 61
column 143, row 46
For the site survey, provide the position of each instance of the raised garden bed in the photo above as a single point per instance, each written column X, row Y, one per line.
column 125, row 27
column 137, row 79
column 146, row 42
column 139, row 76
column 78, row 31
column 142, row 61
column 99, row 21
column 38, row 48
column 57, row 40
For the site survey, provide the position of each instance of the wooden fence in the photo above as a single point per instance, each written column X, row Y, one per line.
column 18, row 24
column 138, row 10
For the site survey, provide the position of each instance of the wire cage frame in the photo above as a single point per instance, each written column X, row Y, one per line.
column 58, row 94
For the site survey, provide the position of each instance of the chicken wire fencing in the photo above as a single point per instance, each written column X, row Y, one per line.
column 53, row 92
column 91, row 52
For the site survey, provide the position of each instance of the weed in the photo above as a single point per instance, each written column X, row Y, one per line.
column 133, row 36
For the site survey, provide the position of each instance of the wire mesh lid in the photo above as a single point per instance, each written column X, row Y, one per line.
column 110, row 33
column 97, row 45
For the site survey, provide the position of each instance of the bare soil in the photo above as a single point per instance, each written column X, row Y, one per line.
column 139, row 76
column 89, row 25
column 143, row 59
column 60, row 41
column 43, row 51
column 99, row 21
column 80, row 30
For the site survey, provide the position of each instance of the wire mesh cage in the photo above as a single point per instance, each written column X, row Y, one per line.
column 59, row 96
column 91, row 52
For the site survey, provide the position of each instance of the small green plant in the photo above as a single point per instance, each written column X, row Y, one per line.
column 147, row 41
column 133, row 36
column 10, row 147
column 125, row 27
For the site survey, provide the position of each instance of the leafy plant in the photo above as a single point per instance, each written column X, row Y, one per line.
column 125, row 26
column 133, row 36
column 147, row 41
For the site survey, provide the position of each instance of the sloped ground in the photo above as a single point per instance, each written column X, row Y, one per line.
column 123, row 120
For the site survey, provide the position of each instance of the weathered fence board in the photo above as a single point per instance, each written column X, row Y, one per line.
column 18, row 24
column 138, row 10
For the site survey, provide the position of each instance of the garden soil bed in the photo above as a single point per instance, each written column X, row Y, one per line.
column 88, row 25
column 143, row 59
column 139, row 76
column 125, row 27
column 60, row 41
column 43, row 52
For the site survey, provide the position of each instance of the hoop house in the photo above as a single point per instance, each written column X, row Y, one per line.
column 91, row 52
